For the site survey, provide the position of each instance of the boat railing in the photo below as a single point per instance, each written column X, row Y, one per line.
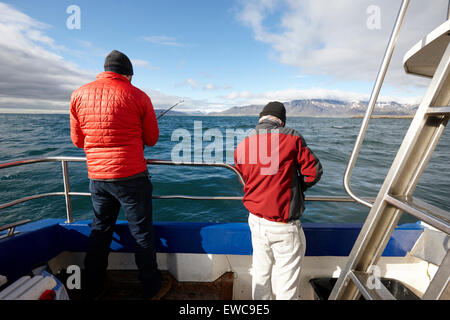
column 11, row 227
column 67, row 193
column 372, row 102
column 430, row 57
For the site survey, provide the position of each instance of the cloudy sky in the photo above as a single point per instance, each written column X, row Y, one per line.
column 212, row 54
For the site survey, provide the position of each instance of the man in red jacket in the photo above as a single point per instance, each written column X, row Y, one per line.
column 112, row 120
column 277, row 167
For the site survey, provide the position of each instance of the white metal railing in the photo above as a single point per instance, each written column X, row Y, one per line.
column 67, row 193
column 373, row 99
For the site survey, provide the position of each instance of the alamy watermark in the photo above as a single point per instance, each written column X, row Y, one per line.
column 74, row 280
column 74, row 19
column 374, row 279
column 213, row 146
column 373, row 21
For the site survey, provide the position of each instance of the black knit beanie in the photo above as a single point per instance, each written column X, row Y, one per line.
column 117, row 62
column 276, row 109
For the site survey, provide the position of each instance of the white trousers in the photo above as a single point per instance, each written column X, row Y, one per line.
column 278, row 251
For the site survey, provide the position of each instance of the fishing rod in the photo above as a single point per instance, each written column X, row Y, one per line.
column 181, row 101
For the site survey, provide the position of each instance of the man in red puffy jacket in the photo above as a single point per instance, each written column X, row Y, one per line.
column 112, row 120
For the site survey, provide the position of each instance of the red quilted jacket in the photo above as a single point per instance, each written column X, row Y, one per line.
column 112, row 120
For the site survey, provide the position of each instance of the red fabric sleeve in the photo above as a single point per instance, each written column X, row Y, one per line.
column 149, row 123
column 310, row 166
column 76, row 134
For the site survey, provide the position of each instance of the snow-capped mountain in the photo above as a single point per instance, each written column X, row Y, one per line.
column 327, row 108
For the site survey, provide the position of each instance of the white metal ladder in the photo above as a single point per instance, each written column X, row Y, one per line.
column 430, row 58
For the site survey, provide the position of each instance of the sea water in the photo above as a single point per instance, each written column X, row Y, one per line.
column 331, row 139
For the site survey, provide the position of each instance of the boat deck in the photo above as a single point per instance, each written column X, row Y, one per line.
column 124, row 285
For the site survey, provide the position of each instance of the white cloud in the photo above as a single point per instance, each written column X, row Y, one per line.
column 214, row 87
column 35, row 77
column 139, row 63
column 163, row 40
column 249, row 98
column 194, row 84
column 318, row 37
column 13, row 17
column 143, row 64
column 209, row 87
column 163, row 100
column 30, row 73
column 188, row 82
column 323, row 37
column 91, row 49
column 191, row 82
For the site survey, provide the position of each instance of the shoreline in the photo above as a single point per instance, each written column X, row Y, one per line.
column 66, row 112
column 32, row 111
column 381, row 116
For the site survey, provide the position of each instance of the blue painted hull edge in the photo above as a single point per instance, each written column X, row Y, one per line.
column 42, row 240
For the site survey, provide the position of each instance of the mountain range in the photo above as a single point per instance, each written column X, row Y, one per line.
column 314, row 108
column 326, row 108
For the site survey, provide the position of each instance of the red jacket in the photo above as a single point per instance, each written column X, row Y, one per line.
column 112, row 120
column 277, row 167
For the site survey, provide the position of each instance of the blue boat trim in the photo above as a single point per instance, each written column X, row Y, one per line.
column 40, row 241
